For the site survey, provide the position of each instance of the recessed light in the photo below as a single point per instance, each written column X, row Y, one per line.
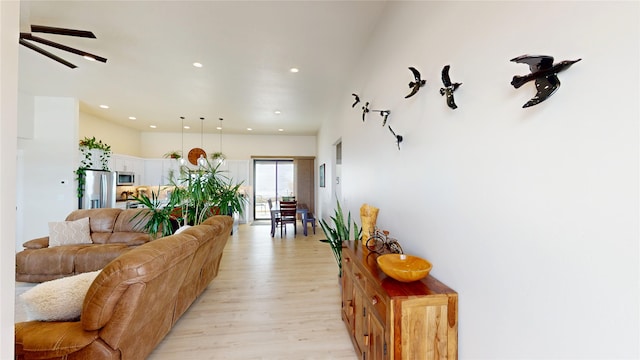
column 132, row 117
column 280, row 129
column 277, row 112
column 218, row 127
column 89, row 57
column 294, row 70
column 104, row 106
column 152, row 126
column 249, row 129
column 187, row 127
column 197, row 64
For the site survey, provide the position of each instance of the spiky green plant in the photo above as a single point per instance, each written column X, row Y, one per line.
column 207, row 191
column 339, row 232
column 157, row 216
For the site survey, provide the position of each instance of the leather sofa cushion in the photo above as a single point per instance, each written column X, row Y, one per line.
column 96, row 257
column 130, row 221
column 58, row 260
column 101, row 221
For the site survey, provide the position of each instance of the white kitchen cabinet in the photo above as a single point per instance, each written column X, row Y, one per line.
column 170, row 170
column 129, row 164
column 153, row 172
column 160, row 171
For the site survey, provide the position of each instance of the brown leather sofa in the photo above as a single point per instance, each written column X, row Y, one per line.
column 112, row 231
column 135, row 300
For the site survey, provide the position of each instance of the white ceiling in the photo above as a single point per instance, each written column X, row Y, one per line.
column 246, row 47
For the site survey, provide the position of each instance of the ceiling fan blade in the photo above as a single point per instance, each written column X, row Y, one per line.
column 62, row 47
column 61, row 31
column 46, row 53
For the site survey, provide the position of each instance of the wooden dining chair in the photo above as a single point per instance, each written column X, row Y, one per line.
column 288, row 216
column 275, row 217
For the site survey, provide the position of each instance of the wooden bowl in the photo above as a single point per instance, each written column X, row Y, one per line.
column 405, row 268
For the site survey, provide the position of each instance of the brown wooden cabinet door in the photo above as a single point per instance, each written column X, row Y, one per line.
column 361, row 322
column 377, row 345
column 348, row 308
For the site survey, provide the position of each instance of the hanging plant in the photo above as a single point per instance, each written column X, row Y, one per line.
column 87, row 147
column 80, row 178
column 218, row 156
column 88, row 144
column 173, row 155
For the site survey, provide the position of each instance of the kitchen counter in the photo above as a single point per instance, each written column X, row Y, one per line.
column 127, row 204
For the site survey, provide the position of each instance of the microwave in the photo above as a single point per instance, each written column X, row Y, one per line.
column 125, row 178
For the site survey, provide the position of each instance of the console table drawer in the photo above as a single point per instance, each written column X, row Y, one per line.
column 378, row 302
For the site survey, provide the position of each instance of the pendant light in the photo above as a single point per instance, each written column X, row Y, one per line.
column 182, row 160
column 202, row 160
column 220, row 155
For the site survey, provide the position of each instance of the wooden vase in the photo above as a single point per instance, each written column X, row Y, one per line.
column 368, row 217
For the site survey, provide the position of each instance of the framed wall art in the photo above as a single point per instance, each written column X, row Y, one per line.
column 321, row 176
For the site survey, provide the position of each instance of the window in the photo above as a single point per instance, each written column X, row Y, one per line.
column 273, row 179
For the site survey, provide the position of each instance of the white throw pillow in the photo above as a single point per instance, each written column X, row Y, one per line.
column 69, row 232
column 58, row 300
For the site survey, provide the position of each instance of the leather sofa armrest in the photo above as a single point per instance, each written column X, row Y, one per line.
column 38, row 243
column 51, row 340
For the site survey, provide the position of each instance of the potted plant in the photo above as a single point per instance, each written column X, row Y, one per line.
column 174, row 154
column 339, row 232
column 218, row 156
column 89, row 149
column 158, row 214
column 207, row 191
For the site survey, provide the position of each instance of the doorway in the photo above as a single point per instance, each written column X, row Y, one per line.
column 272, row 179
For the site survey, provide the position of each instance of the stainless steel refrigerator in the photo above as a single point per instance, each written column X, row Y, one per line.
column 99, row 190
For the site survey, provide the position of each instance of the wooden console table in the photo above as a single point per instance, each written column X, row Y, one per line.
column 388, row 319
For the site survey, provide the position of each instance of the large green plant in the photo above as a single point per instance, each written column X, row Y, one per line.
column 338, row 232
column 206, row 191
column 157, row 216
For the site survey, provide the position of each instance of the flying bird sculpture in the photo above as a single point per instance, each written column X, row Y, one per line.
column 365, row 110
column 449, row 87
column 544, row 72
column 398, row 137
column 357, row 100
column 385, row 115
column 417, row 84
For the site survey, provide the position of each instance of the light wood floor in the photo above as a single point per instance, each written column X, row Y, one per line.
column 274, row 298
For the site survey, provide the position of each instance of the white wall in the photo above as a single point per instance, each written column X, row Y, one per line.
column 47, row 184
column 530, row 214
column 123, row 140
column 9, row 29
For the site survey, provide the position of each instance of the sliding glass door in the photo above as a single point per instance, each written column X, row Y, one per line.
column 273, row 179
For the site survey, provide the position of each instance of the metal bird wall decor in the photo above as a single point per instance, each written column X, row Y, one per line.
column 449, row 87
column 397, row 137
column 385, row 115
column 356, row 100
column 544, row 72
column 365, row 110
column 417, row 84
